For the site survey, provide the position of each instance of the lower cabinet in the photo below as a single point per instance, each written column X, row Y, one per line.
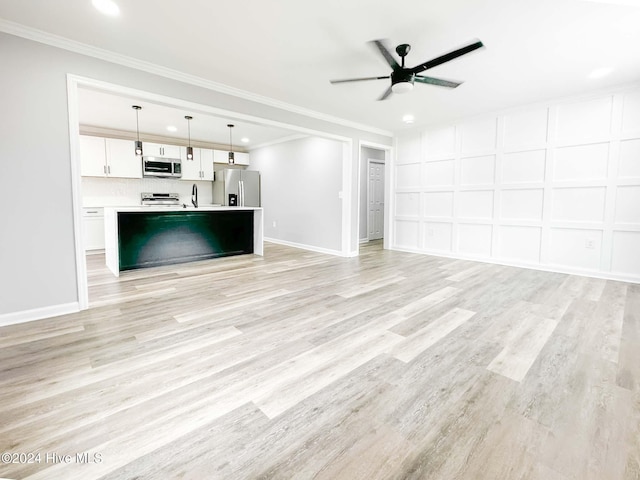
column 93, row 223
column 149, row 239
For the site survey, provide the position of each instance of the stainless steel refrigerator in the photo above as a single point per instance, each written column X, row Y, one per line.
column 239, row 186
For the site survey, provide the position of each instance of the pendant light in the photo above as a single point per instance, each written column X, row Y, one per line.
column 189, row 148
column 138, row 143
column 232, row 160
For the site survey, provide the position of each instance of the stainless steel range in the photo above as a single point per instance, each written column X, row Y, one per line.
column 160, row 199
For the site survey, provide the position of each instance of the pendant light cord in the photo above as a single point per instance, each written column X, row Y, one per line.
column 189, row 118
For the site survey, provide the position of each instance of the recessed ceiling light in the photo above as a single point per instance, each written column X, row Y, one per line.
column 600, row 72
column 408, row 119
column 108, row 7
column 171, row 128
column 244, row 140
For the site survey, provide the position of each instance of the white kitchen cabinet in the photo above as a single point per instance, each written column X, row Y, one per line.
column 160, row 150
column 206, row 163
column 108, row 157
column 200, row 167
column 241, row 158
column 93, row 222
column 122, row 160
column 190, row 168
column 222, row 156
column 93, row 156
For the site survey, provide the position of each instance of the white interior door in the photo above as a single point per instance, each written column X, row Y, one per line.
column 376, row 199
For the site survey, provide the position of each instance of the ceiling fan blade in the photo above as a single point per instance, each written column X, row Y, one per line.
column 437, row 81
column 358, row 79
column 386, row 53
column 447, row 57
column 386, row 93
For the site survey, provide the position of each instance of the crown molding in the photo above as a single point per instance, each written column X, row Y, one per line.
column 58, row 41
column 290, row 138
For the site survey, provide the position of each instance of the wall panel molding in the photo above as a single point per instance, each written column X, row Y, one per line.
column 554, row 187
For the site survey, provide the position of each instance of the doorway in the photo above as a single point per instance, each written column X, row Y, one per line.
column 374, row 161
column 76, row 83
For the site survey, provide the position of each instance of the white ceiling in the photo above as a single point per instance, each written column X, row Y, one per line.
column 288, row 50
column 107, row 110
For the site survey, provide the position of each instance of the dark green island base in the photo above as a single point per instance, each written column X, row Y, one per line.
column 148, row 239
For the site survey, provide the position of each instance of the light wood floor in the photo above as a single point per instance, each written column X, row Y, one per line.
column 302, row 365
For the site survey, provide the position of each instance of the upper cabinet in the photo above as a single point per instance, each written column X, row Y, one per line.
column 241, row 158
column 222, row 156
column 158, row 150
column 111, row 157
column 108, row 157
column 198, row 168
column 190, row 168
column 122, row 160
column 206, row 163
column 93, row 156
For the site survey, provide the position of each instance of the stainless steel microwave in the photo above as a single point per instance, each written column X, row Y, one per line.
column 161, row 167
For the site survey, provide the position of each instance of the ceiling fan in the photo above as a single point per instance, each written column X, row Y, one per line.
column 403, row 78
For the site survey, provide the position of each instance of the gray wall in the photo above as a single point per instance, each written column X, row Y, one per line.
column 366, row 153
column 37, row 253
column 300, row 184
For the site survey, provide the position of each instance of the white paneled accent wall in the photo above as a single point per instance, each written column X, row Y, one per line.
column 554, row 186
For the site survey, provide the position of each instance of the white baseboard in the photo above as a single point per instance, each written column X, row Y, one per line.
column 620, row 277
column 306, row 247
column 38, row 313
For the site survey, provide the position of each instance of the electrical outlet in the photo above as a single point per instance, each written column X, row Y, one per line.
column 590, row 243
column 430, row 232
column 274, row 224
column 340, row 194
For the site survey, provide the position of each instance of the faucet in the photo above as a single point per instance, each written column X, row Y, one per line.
column 194, row 195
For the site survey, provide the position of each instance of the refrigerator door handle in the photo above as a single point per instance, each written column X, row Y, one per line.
column 242, row 204
column 240, row 194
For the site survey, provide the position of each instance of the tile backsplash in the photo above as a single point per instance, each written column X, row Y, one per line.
column 111, row 192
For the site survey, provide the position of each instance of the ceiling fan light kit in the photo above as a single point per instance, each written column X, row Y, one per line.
column 403, row 78
column 402, row 87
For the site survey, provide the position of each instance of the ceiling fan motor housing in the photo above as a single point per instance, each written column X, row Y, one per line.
column 402, row 80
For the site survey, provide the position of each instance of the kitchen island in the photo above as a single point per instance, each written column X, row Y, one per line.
column 144, row 236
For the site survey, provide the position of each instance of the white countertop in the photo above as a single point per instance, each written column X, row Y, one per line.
column 177, row 208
